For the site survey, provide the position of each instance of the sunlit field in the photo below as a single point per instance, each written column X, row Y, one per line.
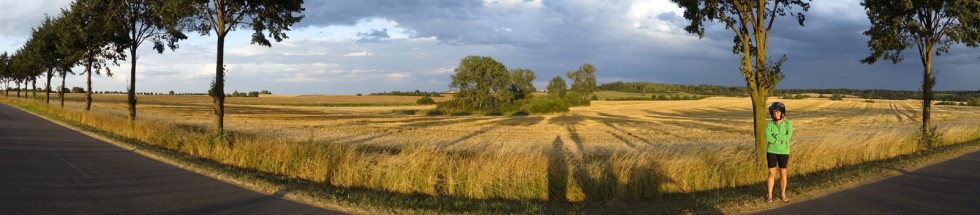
column 611, row 150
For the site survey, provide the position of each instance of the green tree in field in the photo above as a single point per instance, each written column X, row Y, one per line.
column 931, row 26
column 149, row 20
column 557, row 87
column 583, row 83
column 482, row 82
column 223, row 16
column 96, row 34
column 751, row 21
column 5, row 72
column 522, row 85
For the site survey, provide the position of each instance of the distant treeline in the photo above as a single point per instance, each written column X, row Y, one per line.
column 650, row 87
column 715, row 90
column 658, row 98
column 888, row 94
column 409, row 93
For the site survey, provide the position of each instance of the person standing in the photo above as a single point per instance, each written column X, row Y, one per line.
column 779, row 131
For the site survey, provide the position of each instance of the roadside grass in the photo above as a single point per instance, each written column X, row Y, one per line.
column 553, row 178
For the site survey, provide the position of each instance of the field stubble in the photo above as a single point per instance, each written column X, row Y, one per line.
column 620, row 151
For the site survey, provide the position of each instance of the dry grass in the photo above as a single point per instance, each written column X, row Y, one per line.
column 621, row 151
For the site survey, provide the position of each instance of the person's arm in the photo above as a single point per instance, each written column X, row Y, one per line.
column 789, row 132
column 771, row 134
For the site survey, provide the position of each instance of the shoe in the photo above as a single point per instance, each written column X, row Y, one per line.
column 769, row 200
column 785, row 200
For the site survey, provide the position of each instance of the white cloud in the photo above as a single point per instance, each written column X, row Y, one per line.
column 397, row 75
column 513, row 4
column 646, row 15
column 359, row 54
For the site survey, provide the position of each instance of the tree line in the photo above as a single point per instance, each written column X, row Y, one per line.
column 961, row 96
column 96, row 34
column 651, row 87
column 408, row 93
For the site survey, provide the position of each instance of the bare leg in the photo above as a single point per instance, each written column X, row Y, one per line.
column 771, row 183
column 782, row 183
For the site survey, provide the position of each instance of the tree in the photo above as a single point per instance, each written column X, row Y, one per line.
column 522, row 85
column 932, row 26
column 45, row 48
column 751, row 21
column 482, row 82
column 583, row 83
column 153, row 20
column 5, row 72
column 97, row 35
column 557, row 87
column 224, row 16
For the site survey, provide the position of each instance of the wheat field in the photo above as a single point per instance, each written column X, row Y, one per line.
column 612, row 150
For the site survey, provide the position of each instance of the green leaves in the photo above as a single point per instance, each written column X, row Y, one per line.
column 897, row 25
column 583, row 82
column 521, row 85
column 482, row 82
column 557, row 87
column 263, row 16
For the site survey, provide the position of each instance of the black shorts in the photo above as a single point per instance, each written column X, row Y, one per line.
column 774, row 159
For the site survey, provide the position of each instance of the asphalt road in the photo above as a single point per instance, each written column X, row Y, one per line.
column 950, row 187
column 49, row 169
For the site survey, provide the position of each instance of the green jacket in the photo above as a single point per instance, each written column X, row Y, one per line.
column 778, row 137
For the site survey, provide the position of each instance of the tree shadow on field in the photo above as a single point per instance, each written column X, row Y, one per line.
column 590, row 180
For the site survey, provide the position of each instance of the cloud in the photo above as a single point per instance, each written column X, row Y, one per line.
column 362, row 46
column 397, row 75
column 358, row 54
column 19, row 17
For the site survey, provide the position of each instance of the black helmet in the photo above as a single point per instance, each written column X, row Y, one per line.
column 777, row 106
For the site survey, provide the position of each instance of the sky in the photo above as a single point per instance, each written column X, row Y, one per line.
column 365, row 46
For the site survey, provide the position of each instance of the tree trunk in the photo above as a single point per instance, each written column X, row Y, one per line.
column 34, row 87
column 18, row 88
column 47, row 95
column 759, row 112
column 927, row 83
column 218, row 90
column 62, row 90
column 132, row 80
column 88, row 93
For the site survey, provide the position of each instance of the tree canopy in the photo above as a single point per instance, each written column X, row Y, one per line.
column 482, row 82
column 557, row 87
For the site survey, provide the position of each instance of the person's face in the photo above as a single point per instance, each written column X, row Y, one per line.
column 778, row 115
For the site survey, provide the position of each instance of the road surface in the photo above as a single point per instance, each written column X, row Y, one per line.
column 49, row 169
column 949, row 187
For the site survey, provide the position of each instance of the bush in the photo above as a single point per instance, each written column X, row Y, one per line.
column 435, row 112
column 77, row 90
column 837, row 97
column 973, row 102
column 425, row 100
column 406, row 112
column 454, row 105
column 547, row 104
